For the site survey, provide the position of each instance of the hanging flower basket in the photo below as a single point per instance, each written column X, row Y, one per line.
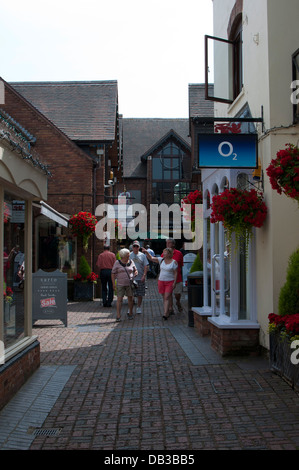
column 239, row 211
column 83, row 225
column 284, row 172
column 192, row 199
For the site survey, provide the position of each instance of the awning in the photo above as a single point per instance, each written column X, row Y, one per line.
column 51, row 213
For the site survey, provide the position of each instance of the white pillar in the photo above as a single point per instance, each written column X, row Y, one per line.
column 28, row 269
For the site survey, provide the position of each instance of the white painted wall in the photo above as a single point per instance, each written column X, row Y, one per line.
column 270, row 37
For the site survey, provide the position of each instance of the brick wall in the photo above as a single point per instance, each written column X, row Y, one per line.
column 202, row 324
column 234, row 341
column 16, row 371
column 70, row 187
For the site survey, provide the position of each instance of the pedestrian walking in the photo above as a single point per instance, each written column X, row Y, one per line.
column 123, row 271
column 105, row 264
column 167, row 277
column 142, row 265
column 178, row 257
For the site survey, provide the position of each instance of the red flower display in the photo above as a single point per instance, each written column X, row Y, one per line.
column 92, row 277
column 287, row 324
column 284, row 172
column 239, row 211
column 8, row 295
column 83, row 225
column 192, row 199
column 7, row 213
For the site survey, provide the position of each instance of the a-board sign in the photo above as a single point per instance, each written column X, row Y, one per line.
column 227, row 150
column 49, row 296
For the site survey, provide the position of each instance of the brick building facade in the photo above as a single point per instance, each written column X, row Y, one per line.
column 75, row 128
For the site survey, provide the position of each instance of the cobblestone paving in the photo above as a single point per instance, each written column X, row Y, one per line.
column 145, row 384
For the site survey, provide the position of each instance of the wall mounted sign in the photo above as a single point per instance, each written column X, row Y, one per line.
column 227, row 151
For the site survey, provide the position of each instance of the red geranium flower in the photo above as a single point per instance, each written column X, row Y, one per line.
column 193, row 198
column 83, row 225
column 239, row 211
column 283, row 172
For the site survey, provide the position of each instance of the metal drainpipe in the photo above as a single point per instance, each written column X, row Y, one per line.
column 94, row 178
column 95, row 167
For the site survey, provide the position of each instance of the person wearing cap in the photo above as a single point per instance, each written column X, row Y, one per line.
column 142, row 265
column 105, row 264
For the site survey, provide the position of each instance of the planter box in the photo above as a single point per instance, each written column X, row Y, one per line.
column 281, row 360
column 83, row 291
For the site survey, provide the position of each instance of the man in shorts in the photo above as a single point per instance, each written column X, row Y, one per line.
column 142, row 264
column 178, row 257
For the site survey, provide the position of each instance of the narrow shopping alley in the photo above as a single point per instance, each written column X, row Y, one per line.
column 145, row 384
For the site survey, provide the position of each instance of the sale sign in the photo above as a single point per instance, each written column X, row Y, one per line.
column 48, row 302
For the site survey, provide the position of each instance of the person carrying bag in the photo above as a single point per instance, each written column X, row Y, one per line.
column 123, row 272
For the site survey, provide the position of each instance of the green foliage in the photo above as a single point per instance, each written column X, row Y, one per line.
column 84, row 268
column 288, row 303
column 197, row 265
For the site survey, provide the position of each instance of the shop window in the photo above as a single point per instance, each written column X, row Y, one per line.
column 224, row 65
column 14, row 269
column 295, row 86
column 56, row 247
column 244, row 264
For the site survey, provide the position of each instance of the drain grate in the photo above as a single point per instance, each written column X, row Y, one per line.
column 52, row 432
column 225, row 386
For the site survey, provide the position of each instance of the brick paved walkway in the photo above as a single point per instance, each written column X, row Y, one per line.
column 145, row 384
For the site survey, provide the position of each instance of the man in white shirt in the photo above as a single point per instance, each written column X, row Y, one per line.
column 141, row 263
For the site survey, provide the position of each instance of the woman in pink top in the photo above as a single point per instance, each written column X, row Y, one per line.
column 167, row 277
column 123, row 271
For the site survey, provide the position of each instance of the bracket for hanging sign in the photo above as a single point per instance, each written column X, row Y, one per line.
column 211, row 120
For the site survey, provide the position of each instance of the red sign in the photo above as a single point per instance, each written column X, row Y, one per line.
column 48, row 302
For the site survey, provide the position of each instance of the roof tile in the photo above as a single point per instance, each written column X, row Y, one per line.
column 84, row 111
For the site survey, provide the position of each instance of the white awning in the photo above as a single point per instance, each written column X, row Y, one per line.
column 51, row 213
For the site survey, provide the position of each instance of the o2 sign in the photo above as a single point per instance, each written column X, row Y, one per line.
column 227, row 151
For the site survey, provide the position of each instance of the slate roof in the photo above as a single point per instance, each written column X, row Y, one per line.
column 141, row 134
column 85, row 111
column 198, row 105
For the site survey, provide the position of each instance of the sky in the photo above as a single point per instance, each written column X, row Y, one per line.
column 153, row 48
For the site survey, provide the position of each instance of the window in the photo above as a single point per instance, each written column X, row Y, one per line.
column 224, row 65
column 14, row 269
column 167, row 164
column 56, row 248
column 244, row 264
column 295, row 86
column 169, row 170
